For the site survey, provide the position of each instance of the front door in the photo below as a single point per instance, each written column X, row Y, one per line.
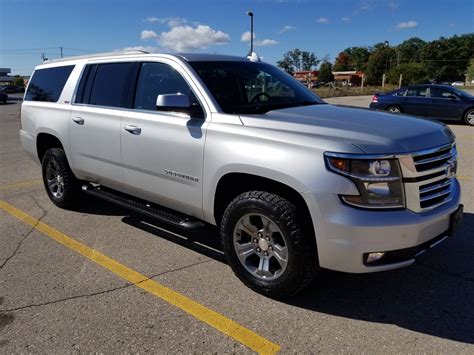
column 162, row 152
column 445, row 104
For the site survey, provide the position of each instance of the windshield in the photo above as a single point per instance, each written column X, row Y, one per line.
column 461, row 93
column 248, row 87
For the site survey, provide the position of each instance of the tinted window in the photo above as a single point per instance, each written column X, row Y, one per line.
column 159, row 79
column 441, row 93
column 47, row 84
column 109, row 85
column 248, row 87
column 420, row 92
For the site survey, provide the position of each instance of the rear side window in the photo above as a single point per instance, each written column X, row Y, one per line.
column 47, row 84
column 418, row 92
column 109, row 85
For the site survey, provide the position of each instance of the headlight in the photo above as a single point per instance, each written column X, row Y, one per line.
column 378, row 180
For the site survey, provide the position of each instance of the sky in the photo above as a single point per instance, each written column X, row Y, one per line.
column 29, row 28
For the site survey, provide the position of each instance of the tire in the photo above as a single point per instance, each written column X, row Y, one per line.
column 61, row 185
column 394, row 109
column 469, row 117
column 275, row 278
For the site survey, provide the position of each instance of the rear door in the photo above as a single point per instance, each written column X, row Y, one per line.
column 163, row 151
column 445, row 104
column 416, row 101
column 94, row 127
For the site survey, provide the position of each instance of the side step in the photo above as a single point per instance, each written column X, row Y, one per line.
column 160, row 213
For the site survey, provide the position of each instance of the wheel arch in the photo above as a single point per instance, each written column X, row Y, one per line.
column 46, row 141
column 233, row 184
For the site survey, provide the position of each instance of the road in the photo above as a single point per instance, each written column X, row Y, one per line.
column 131, row 286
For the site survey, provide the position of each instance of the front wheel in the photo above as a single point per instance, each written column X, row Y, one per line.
column 60, row 183
column 469, row 117
column 265, row 246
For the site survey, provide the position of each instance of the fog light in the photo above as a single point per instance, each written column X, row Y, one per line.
column 373, row 257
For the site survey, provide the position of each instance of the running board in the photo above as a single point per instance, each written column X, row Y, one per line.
column 159, row 213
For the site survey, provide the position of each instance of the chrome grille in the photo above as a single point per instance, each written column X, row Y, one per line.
column 428, row 177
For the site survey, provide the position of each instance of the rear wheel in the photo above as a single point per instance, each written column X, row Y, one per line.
column 265, row 247
column 469, row 117
column 60, row 183
column 394, row 109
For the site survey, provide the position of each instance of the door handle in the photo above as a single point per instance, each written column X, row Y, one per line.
column 133, row 129
column 78, row 120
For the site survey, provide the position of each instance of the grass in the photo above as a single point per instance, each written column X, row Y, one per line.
column 325, row 92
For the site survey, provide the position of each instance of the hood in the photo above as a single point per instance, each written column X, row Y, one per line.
column 373, row 132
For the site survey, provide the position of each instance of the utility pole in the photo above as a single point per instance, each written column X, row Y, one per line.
column 398, row 58
column 43, row 57
column 250, row 13
column 383, row 80
column 400, row 81
column 61, row 51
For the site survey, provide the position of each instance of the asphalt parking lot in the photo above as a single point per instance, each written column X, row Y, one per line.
column 100, row 279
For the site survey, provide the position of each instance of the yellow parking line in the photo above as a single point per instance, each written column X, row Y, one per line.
column 21, row 184
column 464, row 178
column 200, row 312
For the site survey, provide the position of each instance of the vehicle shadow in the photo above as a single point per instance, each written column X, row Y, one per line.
column 435, row 296
column 5, row 319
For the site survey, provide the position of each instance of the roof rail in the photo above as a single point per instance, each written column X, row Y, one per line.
column 98, row 55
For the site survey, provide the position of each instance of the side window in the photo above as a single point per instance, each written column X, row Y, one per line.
column 159, row 79
column 109, row 86
column 441, row 93
column 419, row 92
column 47, row 84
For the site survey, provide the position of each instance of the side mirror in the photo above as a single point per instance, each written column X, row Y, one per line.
column 173, row 102
column 179, row 103
column 452, row 97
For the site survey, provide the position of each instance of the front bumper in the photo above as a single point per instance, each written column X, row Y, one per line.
column 345, row 234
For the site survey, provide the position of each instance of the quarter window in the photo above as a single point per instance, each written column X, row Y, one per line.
column 109, row 86
column 159, row 79
column 47, row 84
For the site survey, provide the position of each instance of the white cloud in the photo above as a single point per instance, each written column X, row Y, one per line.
column 393, row 5
column 322, row 20
column 170, row 21
column 408, row 24
column 187, row 38
column 286, row 29
column 266, row 42
column 345, row 19
column 246, row 36
column 147, row 34
column 148, row 49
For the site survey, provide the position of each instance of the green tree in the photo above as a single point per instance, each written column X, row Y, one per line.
column 470, row 70
column 298, row 60
column 446, row 59
column 378, row 63
column 409, row 50
column 18, row 81
column 413, row 73
column 357, row 57
column 325, row 72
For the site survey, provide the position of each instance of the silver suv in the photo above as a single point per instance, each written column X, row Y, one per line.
column 194, row 140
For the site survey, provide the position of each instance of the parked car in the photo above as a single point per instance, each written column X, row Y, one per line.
column 458, row 83
column 3, row 97
column 11, row 89
column 294, row 184
column 433, row 101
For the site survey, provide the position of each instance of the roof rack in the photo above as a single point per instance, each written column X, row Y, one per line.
column 98, row 55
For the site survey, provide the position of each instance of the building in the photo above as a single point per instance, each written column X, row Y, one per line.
column 306, row 75
column 350, row 77
column 5, row 79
